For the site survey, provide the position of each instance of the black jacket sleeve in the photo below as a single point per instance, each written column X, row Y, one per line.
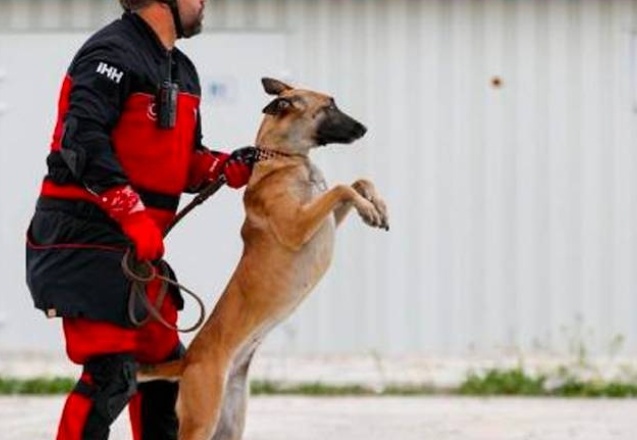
column 100, row 86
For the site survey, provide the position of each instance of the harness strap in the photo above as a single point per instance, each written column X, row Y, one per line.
column 174, row 10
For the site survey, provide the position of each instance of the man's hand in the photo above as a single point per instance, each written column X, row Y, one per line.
column 146, row 237
column 205, row 166
column 124, row 206
column 237, row 168
column 208, row 166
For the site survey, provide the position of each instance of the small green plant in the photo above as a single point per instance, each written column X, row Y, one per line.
column 503, row 382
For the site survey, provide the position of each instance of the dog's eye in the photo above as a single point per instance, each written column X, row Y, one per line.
column 332, row 105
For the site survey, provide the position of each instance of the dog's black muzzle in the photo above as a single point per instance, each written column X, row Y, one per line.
column 339, row 128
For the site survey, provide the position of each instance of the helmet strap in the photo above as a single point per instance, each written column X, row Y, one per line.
column 174, row 9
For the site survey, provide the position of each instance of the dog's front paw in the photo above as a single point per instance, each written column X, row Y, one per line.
column 381, row 208
column 370, row 214
column 367, row 190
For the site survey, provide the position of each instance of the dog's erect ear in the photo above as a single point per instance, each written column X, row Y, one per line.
column 274, row 86
column 277, row 107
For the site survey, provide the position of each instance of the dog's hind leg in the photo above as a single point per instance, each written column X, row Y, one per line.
column 233, row 413
column 201, row 391
column 211, row 359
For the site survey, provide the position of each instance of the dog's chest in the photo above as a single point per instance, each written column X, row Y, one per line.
column 318, row 185
column 321, row 246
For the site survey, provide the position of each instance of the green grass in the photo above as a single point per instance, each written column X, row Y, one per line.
column 516, row 382
column 320, row 389
column 574, row 388
column 494, row 382
column 306, row 389
column 56, row 385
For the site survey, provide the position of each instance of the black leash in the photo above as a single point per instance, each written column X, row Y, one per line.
column 143, row 272
column 201, row 197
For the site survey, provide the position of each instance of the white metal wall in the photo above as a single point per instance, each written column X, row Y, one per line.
column 514, row 208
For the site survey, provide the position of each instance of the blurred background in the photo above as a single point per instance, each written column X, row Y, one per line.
column 502, row 134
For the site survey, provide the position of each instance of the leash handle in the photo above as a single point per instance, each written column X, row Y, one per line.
column 149, row 272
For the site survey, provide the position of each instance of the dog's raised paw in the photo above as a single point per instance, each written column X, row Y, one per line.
column 368, row 212
column 381, row 207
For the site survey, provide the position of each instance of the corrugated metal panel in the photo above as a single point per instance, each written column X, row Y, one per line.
column 514, row 207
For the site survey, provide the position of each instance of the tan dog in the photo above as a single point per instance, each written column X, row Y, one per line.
column 288, row 237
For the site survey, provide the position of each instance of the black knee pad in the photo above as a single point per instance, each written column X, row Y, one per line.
column 113, row 384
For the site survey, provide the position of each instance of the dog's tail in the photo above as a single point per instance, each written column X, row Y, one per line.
column 170, row 371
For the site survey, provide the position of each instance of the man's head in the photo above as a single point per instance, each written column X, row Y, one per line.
column 187, row 14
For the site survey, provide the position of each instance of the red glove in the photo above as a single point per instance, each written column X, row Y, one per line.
column 205, row 166
column 208, row 166
column 237, row 168
column 123, row 204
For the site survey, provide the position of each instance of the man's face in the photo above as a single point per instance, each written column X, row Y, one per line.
column 191, row 13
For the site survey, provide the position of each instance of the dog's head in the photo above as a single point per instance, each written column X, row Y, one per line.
column 303, row 119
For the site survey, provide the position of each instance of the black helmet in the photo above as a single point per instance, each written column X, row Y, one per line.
column 131, row 5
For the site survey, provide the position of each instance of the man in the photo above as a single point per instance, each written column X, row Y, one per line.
column 126, row 145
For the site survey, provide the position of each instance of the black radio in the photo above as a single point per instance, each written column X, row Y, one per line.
column 166, row 100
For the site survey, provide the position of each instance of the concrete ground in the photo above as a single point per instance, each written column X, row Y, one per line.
column 413, row 418
column 421, row 418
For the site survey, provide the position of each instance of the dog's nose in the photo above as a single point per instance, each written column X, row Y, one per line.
column 360, row 130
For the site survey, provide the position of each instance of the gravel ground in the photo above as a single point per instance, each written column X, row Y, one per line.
column 438, row 418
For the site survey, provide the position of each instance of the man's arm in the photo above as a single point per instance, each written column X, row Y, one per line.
column 207, row 165
column 100, row 86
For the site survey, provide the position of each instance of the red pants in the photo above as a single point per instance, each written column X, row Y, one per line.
column 103, row 344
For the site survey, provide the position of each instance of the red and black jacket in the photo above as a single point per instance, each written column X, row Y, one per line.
column 106, row 135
